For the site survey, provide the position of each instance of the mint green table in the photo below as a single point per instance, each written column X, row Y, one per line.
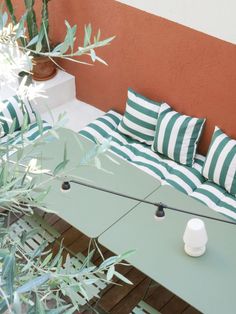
column 207, row 282
column 90, row 211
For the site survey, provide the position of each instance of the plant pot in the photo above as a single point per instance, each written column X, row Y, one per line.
column 43, row 69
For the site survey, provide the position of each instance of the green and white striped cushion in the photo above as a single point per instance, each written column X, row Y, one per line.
column 177, row 135
column 217, row 198
column 220, row 164
column 186, row 179
column 11, row 110
column 165, row 170
column 17, row 137
column 140, row 118
column 32, row 134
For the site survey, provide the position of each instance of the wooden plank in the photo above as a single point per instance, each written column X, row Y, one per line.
column 152, row 287
column 159, row 297
column 69, row 236
column 191, row 310
column 176, row 305
column 61, row 226
column 80, row 244
column 117, row 293
column 51, row 218
column 127, row 304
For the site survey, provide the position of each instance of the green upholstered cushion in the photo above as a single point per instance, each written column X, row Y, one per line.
column 220, row 164
column 177, row 135
column 12, row 112
column 139, row 120
column 33, row 133
column 184, row 178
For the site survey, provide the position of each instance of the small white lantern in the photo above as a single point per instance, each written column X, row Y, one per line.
column 195, row 237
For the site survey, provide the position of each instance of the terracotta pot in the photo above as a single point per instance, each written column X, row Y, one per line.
column 43, row 69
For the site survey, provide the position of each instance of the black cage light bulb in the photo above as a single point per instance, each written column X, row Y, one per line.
column 65, row 187
column 160, row 213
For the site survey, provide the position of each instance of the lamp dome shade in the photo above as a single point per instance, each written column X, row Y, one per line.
column 195, row 234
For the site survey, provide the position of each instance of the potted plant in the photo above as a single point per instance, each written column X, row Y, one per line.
column 38, row 44
column 43, row 67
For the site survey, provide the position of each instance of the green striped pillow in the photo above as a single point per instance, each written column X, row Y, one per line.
column 177, row 135
column 220, row 163
column 12, row 110
column 140, row 118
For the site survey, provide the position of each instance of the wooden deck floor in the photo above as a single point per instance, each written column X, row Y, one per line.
column 122, row 299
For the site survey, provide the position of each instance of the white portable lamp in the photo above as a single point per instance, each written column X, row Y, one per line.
column 195, row 237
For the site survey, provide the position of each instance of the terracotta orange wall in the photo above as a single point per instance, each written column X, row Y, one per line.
column 193, row 72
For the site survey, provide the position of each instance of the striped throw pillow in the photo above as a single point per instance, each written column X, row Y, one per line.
column 140, row 118
column 11, row 110
column 177, row 135
column 220, row 164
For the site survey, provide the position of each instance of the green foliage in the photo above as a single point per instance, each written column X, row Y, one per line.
column 11, row 11
column 31, row 19
column 61, row 166
column 38, row 35
column 44, row 28
column 29, row 279
column 32, row 279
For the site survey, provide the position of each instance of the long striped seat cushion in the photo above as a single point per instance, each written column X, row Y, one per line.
column 32, row 134
column 216, row 198
column 184, row 178
column 13, row 111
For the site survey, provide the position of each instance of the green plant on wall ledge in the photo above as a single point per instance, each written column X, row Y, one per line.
column 37, row 42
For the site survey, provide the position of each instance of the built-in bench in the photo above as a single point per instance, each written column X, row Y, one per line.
column 188, row 180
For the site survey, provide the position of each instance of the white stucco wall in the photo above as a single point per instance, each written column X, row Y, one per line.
column 213, row 17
